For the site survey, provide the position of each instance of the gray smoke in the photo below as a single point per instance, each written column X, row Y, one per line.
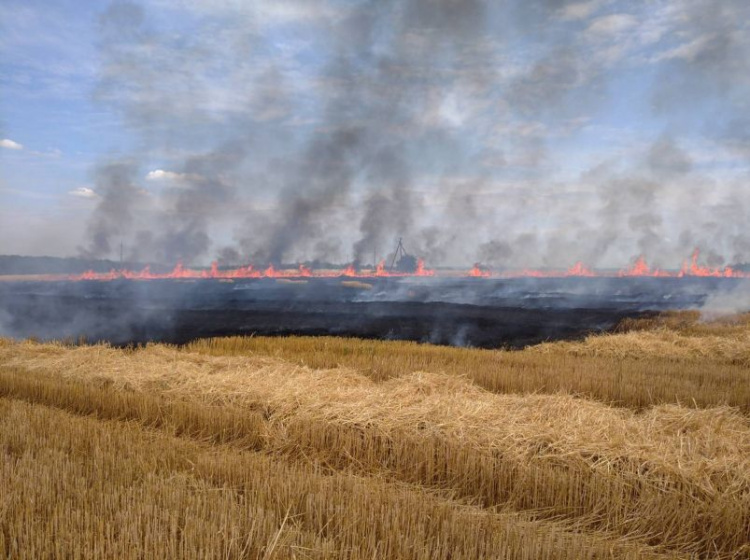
column 727, row 302
column 436, row 120
column 114, row 212
column 154, row 80
column 204, row 194
column 380, row 82
column 495, row 253
column 312, row 191
column 388, row 209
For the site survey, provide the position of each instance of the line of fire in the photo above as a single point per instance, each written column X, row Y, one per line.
column 402, row 264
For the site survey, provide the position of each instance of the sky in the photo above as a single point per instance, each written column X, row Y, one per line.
column 511, row 133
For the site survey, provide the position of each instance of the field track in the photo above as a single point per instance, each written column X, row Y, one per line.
column 634, row 445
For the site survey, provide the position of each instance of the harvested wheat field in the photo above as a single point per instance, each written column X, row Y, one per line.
column 630, row 445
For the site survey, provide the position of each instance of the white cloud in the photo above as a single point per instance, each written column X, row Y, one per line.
column 612, row 24
column 83, row 192
column 263, row 11
column 163, row 175
column 10, row 144
column 51, row 153
column 579, row 10
column 686, row 51
column 294, row 11
column 523, row 129
column 160, row 174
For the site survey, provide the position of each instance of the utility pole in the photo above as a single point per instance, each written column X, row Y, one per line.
column 399, row 251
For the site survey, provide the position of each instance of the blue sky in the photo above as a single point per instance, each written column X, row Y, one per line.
column 533, row 133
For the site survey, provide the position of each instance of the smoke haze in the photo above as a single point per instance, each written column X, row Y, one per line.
column 510, row 133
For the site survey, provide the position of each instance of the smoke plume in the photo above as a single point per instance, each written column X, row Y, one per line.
column 497, row 132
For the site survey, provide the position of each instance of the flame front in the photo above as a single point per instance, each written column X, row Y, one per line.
column 478, row 272
column 579, row 269
column 639, row 268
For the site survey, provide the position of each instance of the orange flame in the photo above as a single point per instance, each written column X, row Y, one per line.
column 421, row 270
column 478, row 272
column 349, row 271
column 694, row 269
column 579, row 269
column 639, row 267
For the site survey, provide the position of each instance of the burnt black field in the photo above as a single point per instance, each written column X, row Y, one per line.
column 479, row 312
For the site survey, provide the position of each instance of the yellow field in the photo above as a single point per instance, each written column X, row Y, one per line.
column 633, row 445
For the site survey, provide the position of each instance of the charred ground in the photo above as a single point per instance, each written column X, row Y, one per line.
column 459, row 311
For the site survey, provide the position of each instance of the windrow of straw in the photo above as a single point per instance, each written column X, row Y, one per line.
column 634, row 369
column 672, row 475
column 665, row 343
column 83, row 488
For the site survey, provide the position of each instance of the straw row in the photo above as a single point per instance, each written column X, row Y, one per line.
column 85, row 488
column 673, row 476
